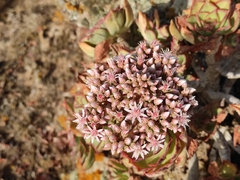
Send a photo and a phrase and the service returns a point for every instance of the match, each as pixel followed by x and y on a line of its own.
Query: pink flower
pixel 125 128
pixel 93 133
pixel 109 76
pixel 134 100
pixel 173 126
pixel 135 112
pixel 155 144
pixel 182 120
pixel 165 86
pixel 139 150
pixel 154 114
pixel 81 120
pixel 119 115
pixel 170 125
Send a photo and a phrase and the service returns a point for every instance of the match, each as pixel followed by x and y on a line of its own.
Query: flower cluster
pixel 134 100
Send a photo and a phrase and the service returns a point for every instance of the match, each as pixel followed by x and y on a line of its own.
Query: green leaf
pixel 188 35
pixel 97 145
pixel 182 59
pixel 172 150
pixel 149 35
pixel 227 170
pixel 205 31
pixel 151 159
pixel 87 48
pixel 223 4
pixel 117 165
pixel 196 7
pixel 174 31
pixel 213 16
pixel 129 17
pixel 222 15
pixel 117 170
pixel 87 154
pixel 169 159
pixel 89 159
pixel 234 21
pixel 115 21
pixel 208 7
pixel 97 36
pixel 202 16
pixel 163 33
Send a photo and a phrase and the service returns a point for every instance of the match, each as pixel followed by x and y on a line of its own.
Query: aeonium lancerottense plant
pixel 138 107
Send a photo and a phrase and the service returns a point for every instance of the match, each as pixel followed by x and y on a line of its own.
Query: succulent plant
pixel 117 170
pixel 206 19
pixel 139 107
pixel 112 25
pixel 151 30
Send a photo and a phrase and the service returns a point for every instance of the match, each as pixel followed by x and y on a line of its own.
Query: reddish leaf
pixel 236 135
pixel 221 115
pixel 119 48
pixel 211 46
pixel 213 168
pixel 191 146
pixel 102 50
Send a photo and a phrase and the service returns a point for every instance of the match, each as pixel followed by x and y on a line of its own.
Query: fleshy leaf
pixel 115 21
pixel 197 7
pixel 142 21
pixel 213 168
pixel 227 170
pixel 186 34
pixel 208 7
pixel 191 147
pixel 102 50
pixel 129 17
pixel 87 154
pixel 202 15
pixel 87 48
pixel 152 159
pixel 163 33
pixel 224 4
pixel 149 35
pixel 118 170
pixel 97 36
pixel 236 135
pixel 174 31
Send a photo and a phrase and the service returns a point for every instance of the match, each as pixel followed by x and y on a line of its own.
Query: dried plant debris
pixel 38 56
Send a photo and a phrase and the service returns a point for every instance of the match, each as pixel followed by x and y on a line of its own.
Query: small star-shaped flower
pixel 135 112
pixel 81 120
pixel 139 150
pixel 93 133
pixel 182 119
pixel 155 143
pixel 154 114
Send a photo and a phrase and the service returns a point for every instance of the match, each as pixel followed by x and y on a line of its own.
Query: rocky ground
pixel 39 61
